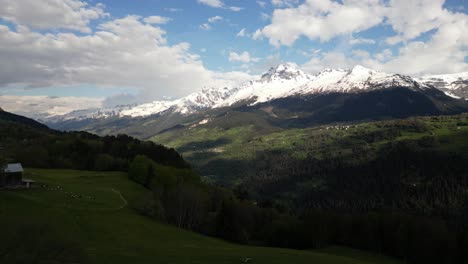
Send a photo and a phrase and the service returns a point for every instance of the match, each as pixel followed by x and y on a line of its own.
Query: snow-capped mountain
pixel 276 83
pixel 273 84
pixel 283 81
pixel 355 80
pixel 92 113
pixel 455 85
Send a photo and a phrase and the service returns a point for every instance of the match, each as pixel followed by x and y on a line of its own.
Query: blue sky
pixel 151 49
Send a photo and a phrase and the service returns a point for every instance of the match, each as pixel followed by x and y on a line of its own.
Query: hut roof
pixel 14 168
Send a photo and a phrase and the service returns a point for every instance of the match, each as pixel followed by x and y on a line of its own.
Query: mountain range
pixel 285 96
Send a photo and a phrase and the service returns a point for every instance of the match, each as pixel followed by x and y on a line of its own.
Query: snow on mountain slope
pixel 207 98
pixel 447 81
pixel 357 79
pixel 455 85
pixel 92 113
pixel 279 82
pixel 276 83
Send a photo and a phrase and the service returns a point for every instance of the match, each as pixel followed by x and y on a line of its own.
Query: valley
pixel 205 145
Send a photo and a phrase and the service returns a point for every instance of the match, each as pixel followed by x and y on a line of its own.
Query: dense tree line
pixel 44 148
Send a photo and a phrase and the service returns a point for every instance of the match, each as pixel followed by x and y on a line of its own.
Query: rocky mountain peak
pixel 284 71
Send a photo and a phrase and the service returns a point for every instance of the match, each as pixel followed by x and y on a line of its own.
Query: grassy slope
pixel 112 232
pixel 204 145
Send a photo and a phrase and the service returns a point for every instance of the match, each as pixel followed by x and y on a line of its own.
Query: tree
pixel 141 170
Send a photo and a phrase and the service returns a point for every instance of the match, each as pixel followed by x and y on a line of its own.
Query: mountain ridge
pixel 284 80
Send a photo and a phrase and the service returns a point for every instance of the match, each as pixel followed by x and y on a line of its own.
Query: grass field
pixel 95 210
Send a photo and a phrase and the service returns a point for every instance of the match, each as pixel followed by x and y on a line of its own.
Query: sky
pixel 61 55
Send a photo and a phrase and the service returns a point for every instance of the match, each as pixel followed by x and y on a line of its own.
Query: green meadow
pixel 96 212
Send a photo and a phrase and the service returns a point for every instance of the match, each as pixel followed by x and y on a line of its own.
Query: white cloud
pixel 51 14
pixel 242 57
pixel 219 4
pixel 411 18
pixel 211 20
pixel 322 20
pixel 385 55
pixel 443 50
pixel 157 20
pixel 212 3
pixel 122 53
pixel 235 8
pixel 232 78
pixel 38 106
pixel 362 54
pixel 172 9
pixel 242 33
pixel 282 3
pixel 262 4
pixel 214 19
pixel 360 41
pixel 326 19
pixel 328 60
pixel 120 99
pixel 205 26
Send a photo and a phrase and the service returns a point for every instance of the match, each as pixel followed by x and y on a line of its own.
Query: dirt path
pixel 125 203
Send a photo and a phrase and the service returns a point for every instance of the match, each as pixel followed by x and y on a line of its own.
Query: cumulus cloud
pixel 419 16
pixel 51 14
pixel 321 20
pixel 326 19
pixel 444 51
pixel 123 52
pixel 241 57
pixel 157 20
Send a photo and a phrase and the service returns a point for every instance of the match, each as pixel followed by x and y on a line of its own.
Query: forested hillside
pixel 397 186
pixel 35 145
